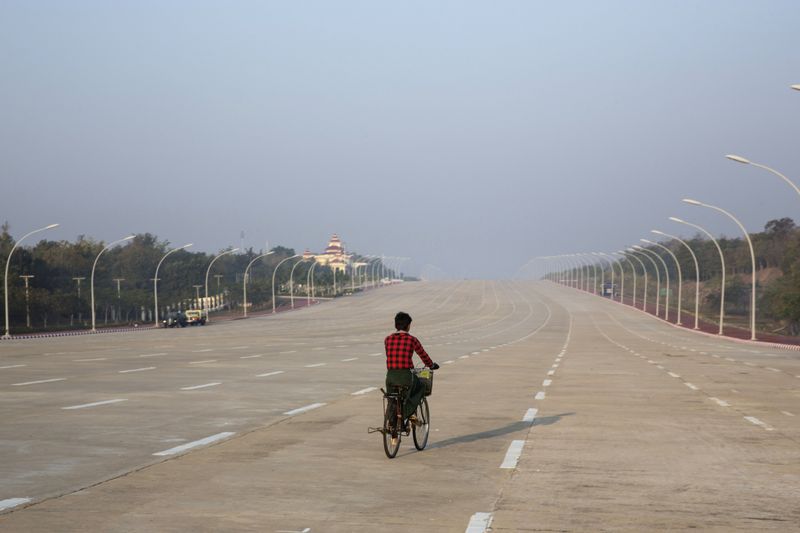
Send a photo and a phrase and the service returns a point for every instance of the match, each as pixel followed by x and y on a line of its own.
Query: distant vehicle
pixel 196 317
pixel 175 319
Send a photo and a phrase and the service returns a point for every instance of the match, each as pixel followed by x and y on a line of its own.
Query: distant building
pixel 333 257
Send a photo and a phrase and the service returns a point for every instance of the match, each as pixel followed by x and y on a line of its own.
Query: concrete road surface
pixel 554 410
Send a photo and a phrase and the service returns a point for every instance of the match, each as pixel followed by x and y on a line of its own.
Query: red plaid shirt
pixel 400 348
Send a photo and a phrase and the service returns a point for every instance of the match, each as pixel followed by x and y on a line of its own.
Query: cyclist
pixel 400 348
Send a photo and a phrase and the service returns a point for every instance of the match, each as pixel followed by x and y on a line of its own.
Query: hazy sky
pixel 467 135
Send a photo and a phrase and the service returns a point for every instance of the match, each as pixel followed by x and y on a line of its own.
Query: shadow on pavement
pixel 511 428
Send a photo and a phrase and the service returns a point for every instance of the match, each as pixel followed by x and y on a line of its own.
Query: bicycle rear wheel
pixel 421 432
pixel 391 430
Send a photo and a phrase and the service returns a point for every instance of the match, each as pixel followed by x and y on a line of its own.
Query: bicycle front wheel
pixel 391 431
pixel 421 432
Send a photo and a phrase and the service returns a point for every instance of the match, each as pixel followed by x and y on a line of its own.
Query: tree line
pixel 58 295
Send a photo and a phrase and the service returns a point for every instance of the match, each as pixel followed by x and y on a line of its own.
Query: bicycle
pixel 394 427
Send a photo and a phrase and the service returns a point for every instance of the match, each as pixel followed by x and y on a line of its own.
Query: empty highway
pixel 554 410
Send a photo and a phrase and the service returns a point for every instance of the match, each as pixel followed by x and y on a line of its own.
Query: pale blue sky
pixel 469 135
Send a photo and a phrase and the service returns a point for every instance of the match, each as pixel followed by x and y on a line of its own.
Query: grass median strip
pixel 189 445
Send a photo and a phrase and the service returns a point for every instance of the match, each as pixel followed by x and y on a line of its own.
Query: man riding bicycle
pixel 400 348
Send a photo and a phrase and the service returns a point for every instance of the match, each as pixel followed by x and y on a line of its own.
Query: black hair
pixel 402 321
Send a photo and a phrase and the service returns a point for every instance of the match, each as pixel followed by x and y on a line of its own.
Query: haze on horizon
pixel 467 135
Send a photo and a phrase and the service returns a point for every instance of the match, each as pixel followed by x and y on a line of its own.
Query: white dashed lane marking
pixel 547 383
pixel 189 445
pixel 530 415
pixel 539 396
pixel 202 362
pixel 756 421
pixel 673 374
pixel 143 369
pixel 202 351
pixel 10 503
pixel 37 382
pixel 203 386
pixel 364 391
pixel 152 354
pixel 251 356
pixel 349 359
pixel 551 372
pixel 290 351
pixel 690 386
pixel 316 365
pixel 513 453
pixel 95 404
pixel 10 366
pixel 93 359
pixel 721 403
pixel 479 523
pixel 304 409
pixel 787 413
pixel 448 362
pixel 268 374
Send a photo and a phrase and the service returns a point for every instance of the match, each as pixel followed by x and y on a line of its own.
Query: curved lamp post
pixel 244 284
pixel 752 260
pixel 680 275
pixel 310 284
pixel 666 274
pixel 658 277
pixel 603 275
pixel 722 262
pixel 633 271
pixel 291 280
pixel 129 237
pixel 8 262
pixel 273 278
pixel 696 271
pixel 155 280
pixel 208 270
pixel 629 253
pixel 744 161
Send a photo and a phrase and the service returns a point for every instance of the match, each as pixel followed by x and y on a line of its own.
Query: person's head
pixel 402 321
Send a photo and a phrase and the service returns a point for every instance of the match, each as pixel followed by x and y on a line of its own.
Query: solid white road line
pixel 251 356
pixel 364 391
pixel 143 369
pixel 37 382
pixel 479 523
pixel 203 386
pixel 539 396
pixel 93 359
pixel 202 362
pixel 11 366
pixel 268 374
pixel 547 382
pixel 349 359
pixel 95 404
pixel 10 503
pixel 513 453
pixel 303 409
pixel 152 354
pixel 756 421
pixel 721 403
pixel 315 365
pixel 530 415
pixel 195 444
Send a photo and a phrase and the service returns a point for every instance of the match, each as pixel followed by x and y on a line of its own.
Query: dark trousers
pixel 406 378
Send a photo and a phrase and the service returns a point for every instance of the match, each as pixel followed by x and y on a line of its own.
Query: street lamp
pixel 603 275
pixel 722 262
pixel 91 281
pixel 744 161
pixel 155 279
pixel 796 87
pixel 752 260
pixel 291 280
pixel 208 270
pixel 644 302
pixel 8 262
pixel 273 278
pixel 666 273
pixel 696 272
pixel 680 276
pixel 633 271
pixel 310 284
pixel 244 284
